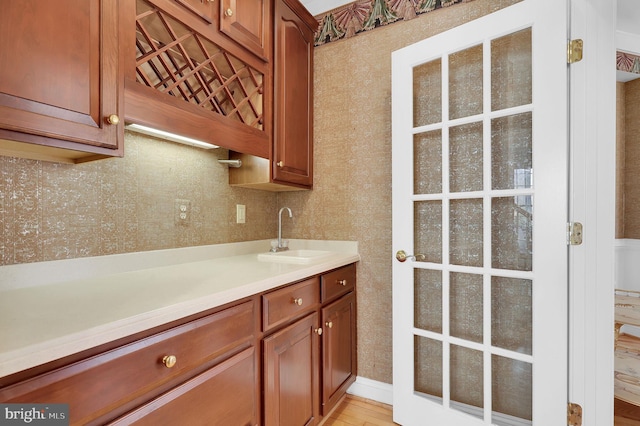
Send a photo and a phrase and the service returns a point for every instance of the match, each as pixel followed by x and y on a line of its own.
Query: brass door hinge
pixel 574 414
pixel 574 233
pixel 574 51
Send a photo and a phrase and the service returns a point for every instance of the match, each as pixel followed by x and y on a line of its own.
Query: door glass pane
pixel 428 230
pixel 511 152
pixel 465 306
pixel 465 82
pixel 465 158
pixel 510 390
pixel 511 315
pixel 511 70
pixel 427 93
pixel 428 300
pixel 512 232
pixel 428 366
pixel 427 162
pixel 465 233
pixel 467 389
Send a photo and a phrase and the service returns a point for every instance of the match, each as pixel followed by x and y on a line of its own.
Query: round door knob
pixel 228 12
pixel 169 361
pixel 329 324
pixel 280 164
pixel 342 282
pixel 318 331
pixel 113 119
pixel 298 301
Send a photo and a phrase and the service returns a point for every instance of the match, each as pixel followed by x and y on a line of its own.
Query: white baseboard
pixel 372 389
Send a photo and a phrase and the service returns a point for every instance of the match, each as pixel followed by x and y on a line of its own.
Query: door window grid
pixel 522 194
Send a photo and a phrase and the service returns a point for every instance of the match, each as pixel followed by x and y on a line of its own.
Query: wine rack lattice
pixel 174 59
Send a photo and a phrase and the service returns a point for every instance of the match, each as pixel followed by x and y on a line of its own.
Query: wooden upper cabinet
pixel 292 159
pixel 60 79
pixel 183 76
pixel 246 22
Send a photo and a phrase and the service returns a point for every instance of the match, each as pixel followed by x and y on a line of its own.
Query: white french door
pixel 480 170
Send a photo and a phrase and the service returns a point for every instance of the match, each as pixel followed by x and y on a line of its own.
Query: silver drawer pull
pixel 342 282
pixel 297 301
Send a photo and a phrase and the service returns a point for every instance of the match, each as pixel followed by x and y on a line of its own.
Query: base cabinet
pixel 279 358
pixel 110 384
pixel 309 363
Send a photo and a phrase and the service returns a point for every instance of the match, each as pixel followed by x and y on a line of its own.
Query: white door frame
pixel 592 201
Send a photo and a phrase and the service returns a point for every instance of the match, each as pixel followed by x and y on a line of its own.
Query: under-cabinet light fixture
pixel 231 163
pixel 170 136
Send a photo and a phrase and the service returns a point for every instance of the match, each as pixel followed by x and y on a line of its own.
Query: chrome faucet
pixel 280 247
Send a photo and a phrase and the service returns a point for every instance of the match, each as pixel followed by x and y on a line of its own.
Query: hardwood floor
pixel 626 414
pixel 356 411
pixel 353 410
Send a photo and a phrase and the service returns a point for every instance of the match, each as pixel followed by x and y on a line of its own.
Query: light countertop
pixel 53 309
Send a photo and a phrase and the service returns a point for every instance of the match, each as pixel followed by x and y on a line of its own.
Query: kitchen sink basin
pixel 294 256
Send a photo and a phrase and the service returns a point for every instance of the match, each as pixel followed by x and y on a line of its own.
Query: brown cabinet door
pixel 291 377
pixel 59 75
pixel 292 159
pixel 246 22
pixel 338 350
pixel 226 394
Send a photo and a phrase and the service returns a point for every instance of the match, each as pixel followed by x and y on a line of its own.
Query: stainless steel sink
pixel 294 256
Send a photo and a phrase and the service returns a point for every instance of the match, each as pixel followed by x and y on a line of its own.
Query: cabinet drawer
pixel 338 282
pixel 97 385
pixel 224 395
pixel 281 305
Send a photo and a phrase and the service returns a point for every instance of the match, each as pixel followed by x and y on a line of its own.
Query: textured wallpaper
pixel 631 189
pixel 620 160
pixel 51 211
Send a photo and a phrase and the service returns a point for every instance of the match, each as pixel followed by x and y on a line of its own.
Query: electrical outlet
pixel 241 213
pixel 182 210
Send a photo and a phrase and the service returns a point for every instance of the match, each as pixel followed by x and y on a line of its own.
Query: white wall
pixel 627 264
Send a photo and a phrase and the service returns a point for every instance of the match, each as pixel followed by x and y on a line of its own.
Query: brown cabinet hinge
pixel 574 414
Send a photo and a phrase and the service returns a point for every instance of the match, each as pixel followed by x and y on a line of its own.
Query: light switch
pixel 241 213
